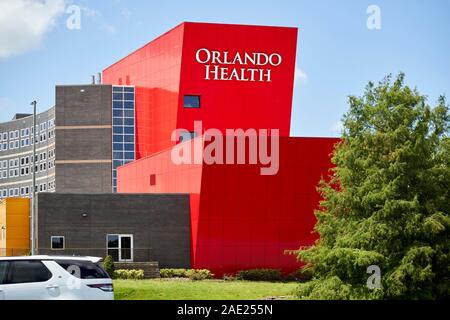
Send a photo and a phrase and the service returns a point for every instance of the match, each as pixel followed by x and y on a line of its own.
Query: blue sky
pixel 337 53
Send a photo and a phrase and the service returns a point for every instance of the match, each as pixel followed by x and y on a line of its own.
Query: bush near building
pixel 260 275
pixel 108 265
pixel 173 273
pixel 193 274
pixel 129 274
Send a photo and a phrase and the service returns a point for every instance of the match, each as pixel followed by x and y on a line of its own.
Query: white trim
pixel 120 247
pixel 57 249
pixel 27 181
pixel 27 152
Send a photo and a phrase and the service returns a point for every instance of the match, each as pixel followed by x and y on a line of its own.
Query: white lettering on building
pixel 223 66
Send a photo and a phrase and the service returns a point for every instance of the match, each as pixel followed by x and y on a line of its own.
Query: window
pixel 57 243
pixel 88 269
pixel 186 136
pixel 3 270
pixel 153 179
pixel 113 246
pixel 128 96
pixel 120 247
pixel 191 101
pixel 28 271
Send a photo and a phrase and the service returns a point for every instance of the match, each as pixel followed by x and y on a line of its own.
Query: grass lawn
pixel 173 289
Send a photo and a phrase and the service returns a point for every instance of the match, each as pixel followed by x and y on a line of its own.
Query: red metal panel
pixel 240 219
pixel 238 104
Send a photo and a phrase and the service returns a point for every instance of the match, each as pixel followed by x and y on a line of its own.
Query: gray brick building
pixel 79 142
pixel 129 227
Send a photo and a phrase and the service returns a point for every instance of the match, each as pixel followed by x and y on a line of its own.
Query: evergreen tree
pixel 386 202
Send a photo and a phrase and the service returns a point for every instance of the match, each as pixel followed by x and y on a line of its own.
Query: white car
pixel 54 277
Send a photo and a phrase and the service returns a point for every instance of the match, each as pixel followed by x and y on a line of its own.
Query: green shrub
pixel 229 277
pixel 199 274
pixel 108 265
pixel 193 274
pixel 129 274
pixel 300 275
pixel 260 275
pixel 173 273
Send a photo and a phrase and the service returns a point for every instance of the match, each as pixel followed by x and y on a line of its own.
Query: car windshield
pixel 83 269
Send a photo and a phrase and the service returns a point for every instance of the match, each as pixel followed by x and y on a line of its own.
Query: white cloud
pixel 300 76
pixel 125 13
pixel 337 127
pixel 90 12
pixel 108 28
pixel 24 23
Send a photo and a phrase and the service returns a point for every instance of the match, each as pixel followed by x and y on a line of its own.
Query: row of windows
pixel 24 171
pixel 26 132
pixel 26 142
pixel 124 96
pixel 13 163
pixel 26 191
pixel 123 89
pixel 123 113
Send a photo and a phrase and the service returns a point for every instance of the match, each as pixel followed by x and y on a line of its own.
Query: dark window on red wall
pixel 153 179
pixel 191 101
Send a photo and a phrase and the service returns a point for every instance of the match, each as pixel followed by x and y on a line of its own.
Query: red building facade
pixel 241 77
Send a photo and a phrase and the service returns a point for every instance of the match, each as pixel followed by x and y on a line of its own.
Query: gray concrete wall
pixel 160 224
